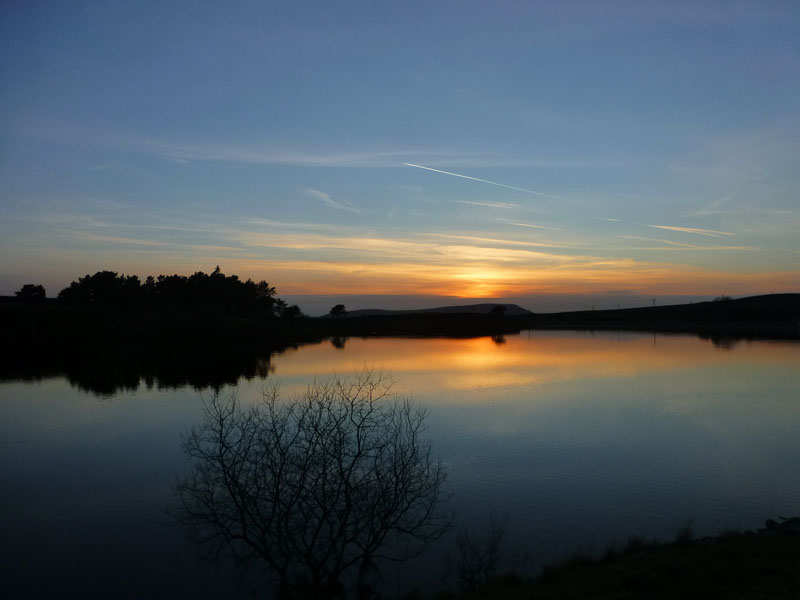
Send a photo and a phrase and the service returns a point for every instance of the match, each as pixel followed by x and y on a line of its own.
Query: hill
pixel 509 310
pixel 773 315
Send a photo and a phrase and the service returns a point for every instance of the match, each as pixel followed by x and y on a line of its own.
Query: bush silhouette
pixel 31 291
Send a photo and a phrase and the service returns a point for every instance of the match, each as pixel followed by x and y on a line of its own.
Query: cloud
pixel 751 163
pixel 116 239
pixel 706 232
pixel 510 187
pixel 683 246
pixel 485 240
pixel 223 151
pixel 535 226
pixel 751 218
pixel 337 204
pixel 490 204
pixel 186 152
pixel 717 207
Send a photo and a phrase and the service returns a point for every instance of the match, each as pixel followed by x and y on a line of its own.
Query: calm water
pixel 571 439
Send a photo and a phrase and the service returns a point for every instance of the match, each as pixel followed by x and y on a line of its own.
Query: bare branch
pixel 312 487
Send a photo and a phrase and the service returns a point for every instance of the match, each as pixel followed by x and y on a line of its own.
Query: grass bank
pixel 761 564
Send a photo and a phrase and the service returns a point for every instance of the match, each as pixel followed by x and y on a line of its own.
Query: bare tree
pixel 478 555
pixel 325 484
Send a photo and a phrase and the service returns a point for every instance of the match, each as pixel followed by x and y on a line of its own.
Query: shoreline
pixel 761 563
pixel 178 344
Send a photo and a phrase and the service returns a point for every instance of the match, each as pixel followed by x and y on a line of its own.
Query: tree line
pixel 223 293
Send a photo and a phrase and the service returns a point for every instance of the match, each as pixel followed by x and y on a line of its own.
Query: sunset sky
pixel 550 153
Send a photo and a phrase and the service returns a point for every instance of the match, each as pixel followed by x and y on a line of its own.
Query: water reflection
pixel 495 360
pixel 105 377
pixel 576 439
pixel 525 359
pixel 572 439
pixel 315 489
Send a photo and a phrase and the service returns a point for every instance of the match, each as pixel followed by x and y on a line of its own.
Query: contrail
pixel 491 204
pixel 708 232
pixel 536 226
pixel 510 187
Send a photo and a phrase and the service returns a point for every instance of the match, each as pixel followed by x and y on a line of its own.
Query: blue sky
pixel 643 148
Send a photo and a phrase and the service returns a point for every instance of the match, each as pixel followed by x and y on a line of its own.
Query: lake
pixel 571 439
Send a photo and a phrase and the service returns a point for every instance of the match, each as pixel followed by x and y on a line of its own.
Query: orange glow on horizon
pixel 521 360
pixel 479 273
pixel 507 281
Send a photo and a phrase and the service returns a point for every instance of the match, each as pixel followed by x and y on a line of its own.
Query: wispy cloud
pixel 490 204
pixel 747 163
pixel 116 239
pixel 748 217
pixel 607 219
pixel 183 151
pixel 337 204
pixel 503 185
pixel 244 152
pixel 683 246
pixel 717 207
pixel 269 156
pixel 485 240
pixel 694 230
pixel 535 226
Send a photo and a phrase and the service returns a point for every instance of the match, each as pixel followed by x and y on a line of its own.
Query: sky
pixel 389 154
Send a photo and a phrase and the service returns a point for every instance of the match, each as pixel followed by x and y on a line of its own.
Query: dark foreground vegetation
pixel 753 564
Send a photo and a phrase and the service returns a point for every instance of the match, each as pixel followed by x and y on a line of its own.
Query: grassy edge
pixel 764 563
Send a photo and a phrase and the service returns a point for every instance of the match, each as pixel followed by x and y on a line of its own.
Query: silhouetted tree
pixel 317 487
pixel 292 311
pixel 338 311
pixel 478 555
pixel 104 287
pixel 498 310
pixel 217 291
pixel 149 289
pixel 31 291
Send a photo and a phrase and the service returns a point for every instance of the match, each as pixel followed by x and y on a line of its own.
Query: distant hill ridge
pixel 511 310
pixel 784 304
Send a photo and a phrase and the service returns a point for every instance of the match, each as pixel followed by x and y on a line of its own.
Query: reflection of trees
pixel 723 342
pixel 316 488
pixel 111 374
pixel 194 371
pixel 338 342
pixel 499 339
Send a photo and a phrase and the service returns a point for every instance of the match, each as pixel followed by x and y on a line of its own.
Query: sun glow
pixel 314 259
